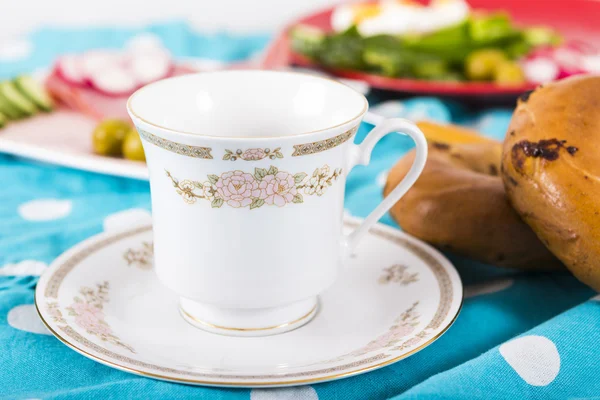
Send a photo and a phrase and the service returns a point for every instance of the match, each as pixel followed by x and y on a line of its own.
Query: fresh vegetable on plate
pixel 22 97
pixel 108 137
pixel 117 138
pixel 99 82
pixel 307 40
pixel 547 63
pixel 132 147
pixel 34 91
pixel 20 102
pixel 115 73
pixel 343 50
pixel 8 109
pixel 444 41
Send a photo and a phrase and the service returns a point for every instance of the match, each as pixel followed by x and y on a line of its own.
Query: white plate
pixel 64 138
pixel 395 297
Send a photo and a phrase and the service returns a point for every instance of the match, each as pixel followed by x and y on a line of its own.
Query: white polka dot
pixel 389 109
pixel 292 393
pixel 534 358
pixel 127 219
pixel 418 113
pixel 144 42
pixel 488 287
pixel 382 178
pixel 26 267
pixel 26 318
pixel 486 122
pixel 45 209
pixel 596 298
pixel 15 50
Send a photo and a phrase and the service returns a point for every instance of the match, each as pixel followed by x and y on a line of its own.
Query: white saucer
pixel 395 297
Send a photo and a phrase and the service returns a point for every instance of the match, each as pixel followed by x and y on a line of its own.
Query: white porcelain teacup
pixel 247 174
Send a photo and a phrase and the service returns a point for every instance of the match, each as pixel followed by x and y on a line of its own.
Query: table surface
pixel 519 334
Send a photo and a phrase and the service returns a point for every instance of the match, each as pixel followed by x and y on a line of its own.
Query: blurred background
pixel 231 15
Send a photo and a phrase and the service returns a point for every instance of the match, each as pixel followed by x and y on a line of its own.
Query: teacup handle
pixel 361 154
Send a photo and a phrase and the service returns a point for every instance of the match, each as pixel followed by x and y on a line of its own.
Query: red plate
pixel 575 19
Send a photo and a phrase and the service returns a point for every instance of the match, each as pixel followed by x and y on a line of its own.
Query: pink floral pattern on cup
pixel 270 186
pixel 88 313
pixel 237 188
pixel 278 189
pixel 253 154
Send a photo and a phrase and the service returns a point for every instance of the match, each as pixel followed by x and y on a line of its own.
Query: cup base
pixel 248 322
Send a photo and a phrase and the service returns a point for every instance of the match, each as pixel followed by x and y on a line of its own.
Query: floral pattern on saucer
pixel 55 313
pixel 404 325
pixel 239 189
pixel 89 315
pixel 141 257
pixel 398 273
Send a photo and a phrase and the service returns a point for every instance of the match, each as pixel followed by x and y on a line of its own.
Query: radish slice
pixel 150 66
pixel 70 69
pixel 114 81
pixel 581 47
pixel 96 61
pixel 116 73
pixel 569 60
pixel 540 70
pixel 548 63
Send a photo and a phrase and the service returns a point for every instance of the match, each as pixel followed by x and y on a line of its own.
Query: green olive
pixel 132 147
pixel 108 137
pixel 509 73
pixel 481 64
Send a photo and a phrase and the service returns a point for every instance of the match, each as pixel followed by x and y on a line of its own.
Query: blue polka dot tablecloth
pixel 519 335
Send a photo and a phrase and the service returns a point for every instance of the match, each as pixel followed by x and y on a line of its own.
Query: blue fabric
pixel 543 321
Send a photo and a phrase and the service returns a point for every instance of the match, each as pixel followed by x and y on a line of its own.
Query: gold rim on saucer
pixel 246 383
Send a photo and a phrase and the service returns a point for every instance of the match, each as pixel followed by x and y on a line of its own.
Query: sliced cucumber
pixel 3 120
pixel 35 92
pixel 8 109
pixel 10 93
pixel 307 40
